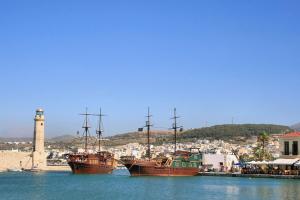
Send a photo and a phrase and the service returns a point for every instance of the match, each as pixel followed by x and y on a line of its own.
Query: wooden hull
pixel 152 170
pixel 82 168
pixel 99 163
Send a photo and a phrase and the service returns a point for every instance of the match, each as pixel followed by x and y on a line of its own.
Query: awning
pixel 297 164
pixel 258 163
pixel 282 161
pixel 262 163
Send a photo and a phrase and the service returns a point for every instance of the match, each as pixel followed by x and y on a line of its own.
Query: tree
pixel 263 139
pixel 260 152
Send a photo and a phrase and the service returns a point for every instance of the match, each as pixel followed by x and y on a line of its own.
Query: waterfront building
pixel 289 145
pixel 289 161
pixel 218 162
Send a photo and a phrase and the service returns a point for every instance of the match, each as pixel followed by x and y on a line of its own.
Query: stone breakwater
pixel 58 169
pixel 15 160
pixel 18 160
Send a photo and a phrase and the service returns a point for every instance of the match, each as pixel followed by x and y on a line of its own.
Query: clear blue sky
pixel 213 60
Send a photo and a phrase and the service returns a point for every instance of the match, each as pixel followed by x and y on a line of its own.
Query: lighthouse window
pixel 42 124
pixel 39 112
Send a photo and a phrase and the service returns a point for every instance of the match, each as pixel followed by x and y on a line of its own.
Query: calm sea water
pixel 66 186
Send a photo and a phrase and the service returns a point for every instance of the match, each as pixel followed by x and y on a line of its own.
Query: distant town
pixel 243 148
pixel 219 155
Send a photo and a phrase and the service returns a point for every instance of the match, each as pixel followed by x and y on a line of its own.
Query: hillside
pixel 239 131
pixel 15 139
pixel 137 137
pixel 296 126
pixel 58 139
pixel 61 139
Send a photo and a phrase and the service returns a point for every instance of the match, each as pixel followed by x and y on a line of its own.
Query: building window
pixel 295 147
pixel 286 148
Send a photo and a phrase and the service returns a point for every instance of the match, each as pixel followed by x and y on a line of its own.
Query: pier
pixel 248 175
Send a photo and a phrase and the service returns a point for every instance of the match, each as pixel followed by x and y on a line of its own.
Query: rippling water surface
pixel 64 185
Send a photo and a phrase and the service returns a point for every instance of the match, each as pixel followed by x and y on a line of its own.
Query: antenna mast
pixel 86 129
pixel 175 127
pixel 148 125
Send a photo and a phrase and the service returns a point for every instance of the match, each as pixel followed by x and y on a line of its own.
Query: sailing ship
pixel 182 163
pixel 102 162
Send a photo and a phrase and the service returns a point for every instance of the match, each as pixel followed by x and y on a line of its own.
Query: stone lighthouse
pixel 39 156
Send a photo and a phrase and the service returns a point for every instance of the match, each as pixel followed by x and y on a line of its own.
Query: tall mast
pixel 148 125
pixel 86 129
pixel 100 130
pixel 175 127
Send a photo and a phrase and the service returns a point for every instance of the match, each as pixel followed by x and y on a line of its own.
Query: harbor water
pixel 119 185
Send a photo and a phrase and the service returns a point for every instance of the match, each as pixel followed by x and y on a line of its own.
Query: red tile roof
pixel 293 134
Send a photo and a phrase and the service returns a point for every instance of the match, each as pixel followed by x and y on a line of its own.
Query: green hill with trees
pixel 233 131
pixel 227 132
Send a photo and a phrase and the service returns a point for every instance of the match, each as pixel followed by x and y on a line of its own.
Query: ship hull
pixel 100 163
pixel 82 168
pixel 141 170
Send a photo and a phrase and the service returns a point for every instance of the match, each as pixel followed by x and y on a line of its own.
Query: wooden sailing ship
pixel 102 162
pixel 182 163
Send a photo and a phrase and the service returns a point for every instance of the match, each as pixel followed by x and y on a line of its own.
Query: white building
pixel 218 162
pixel 289 145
